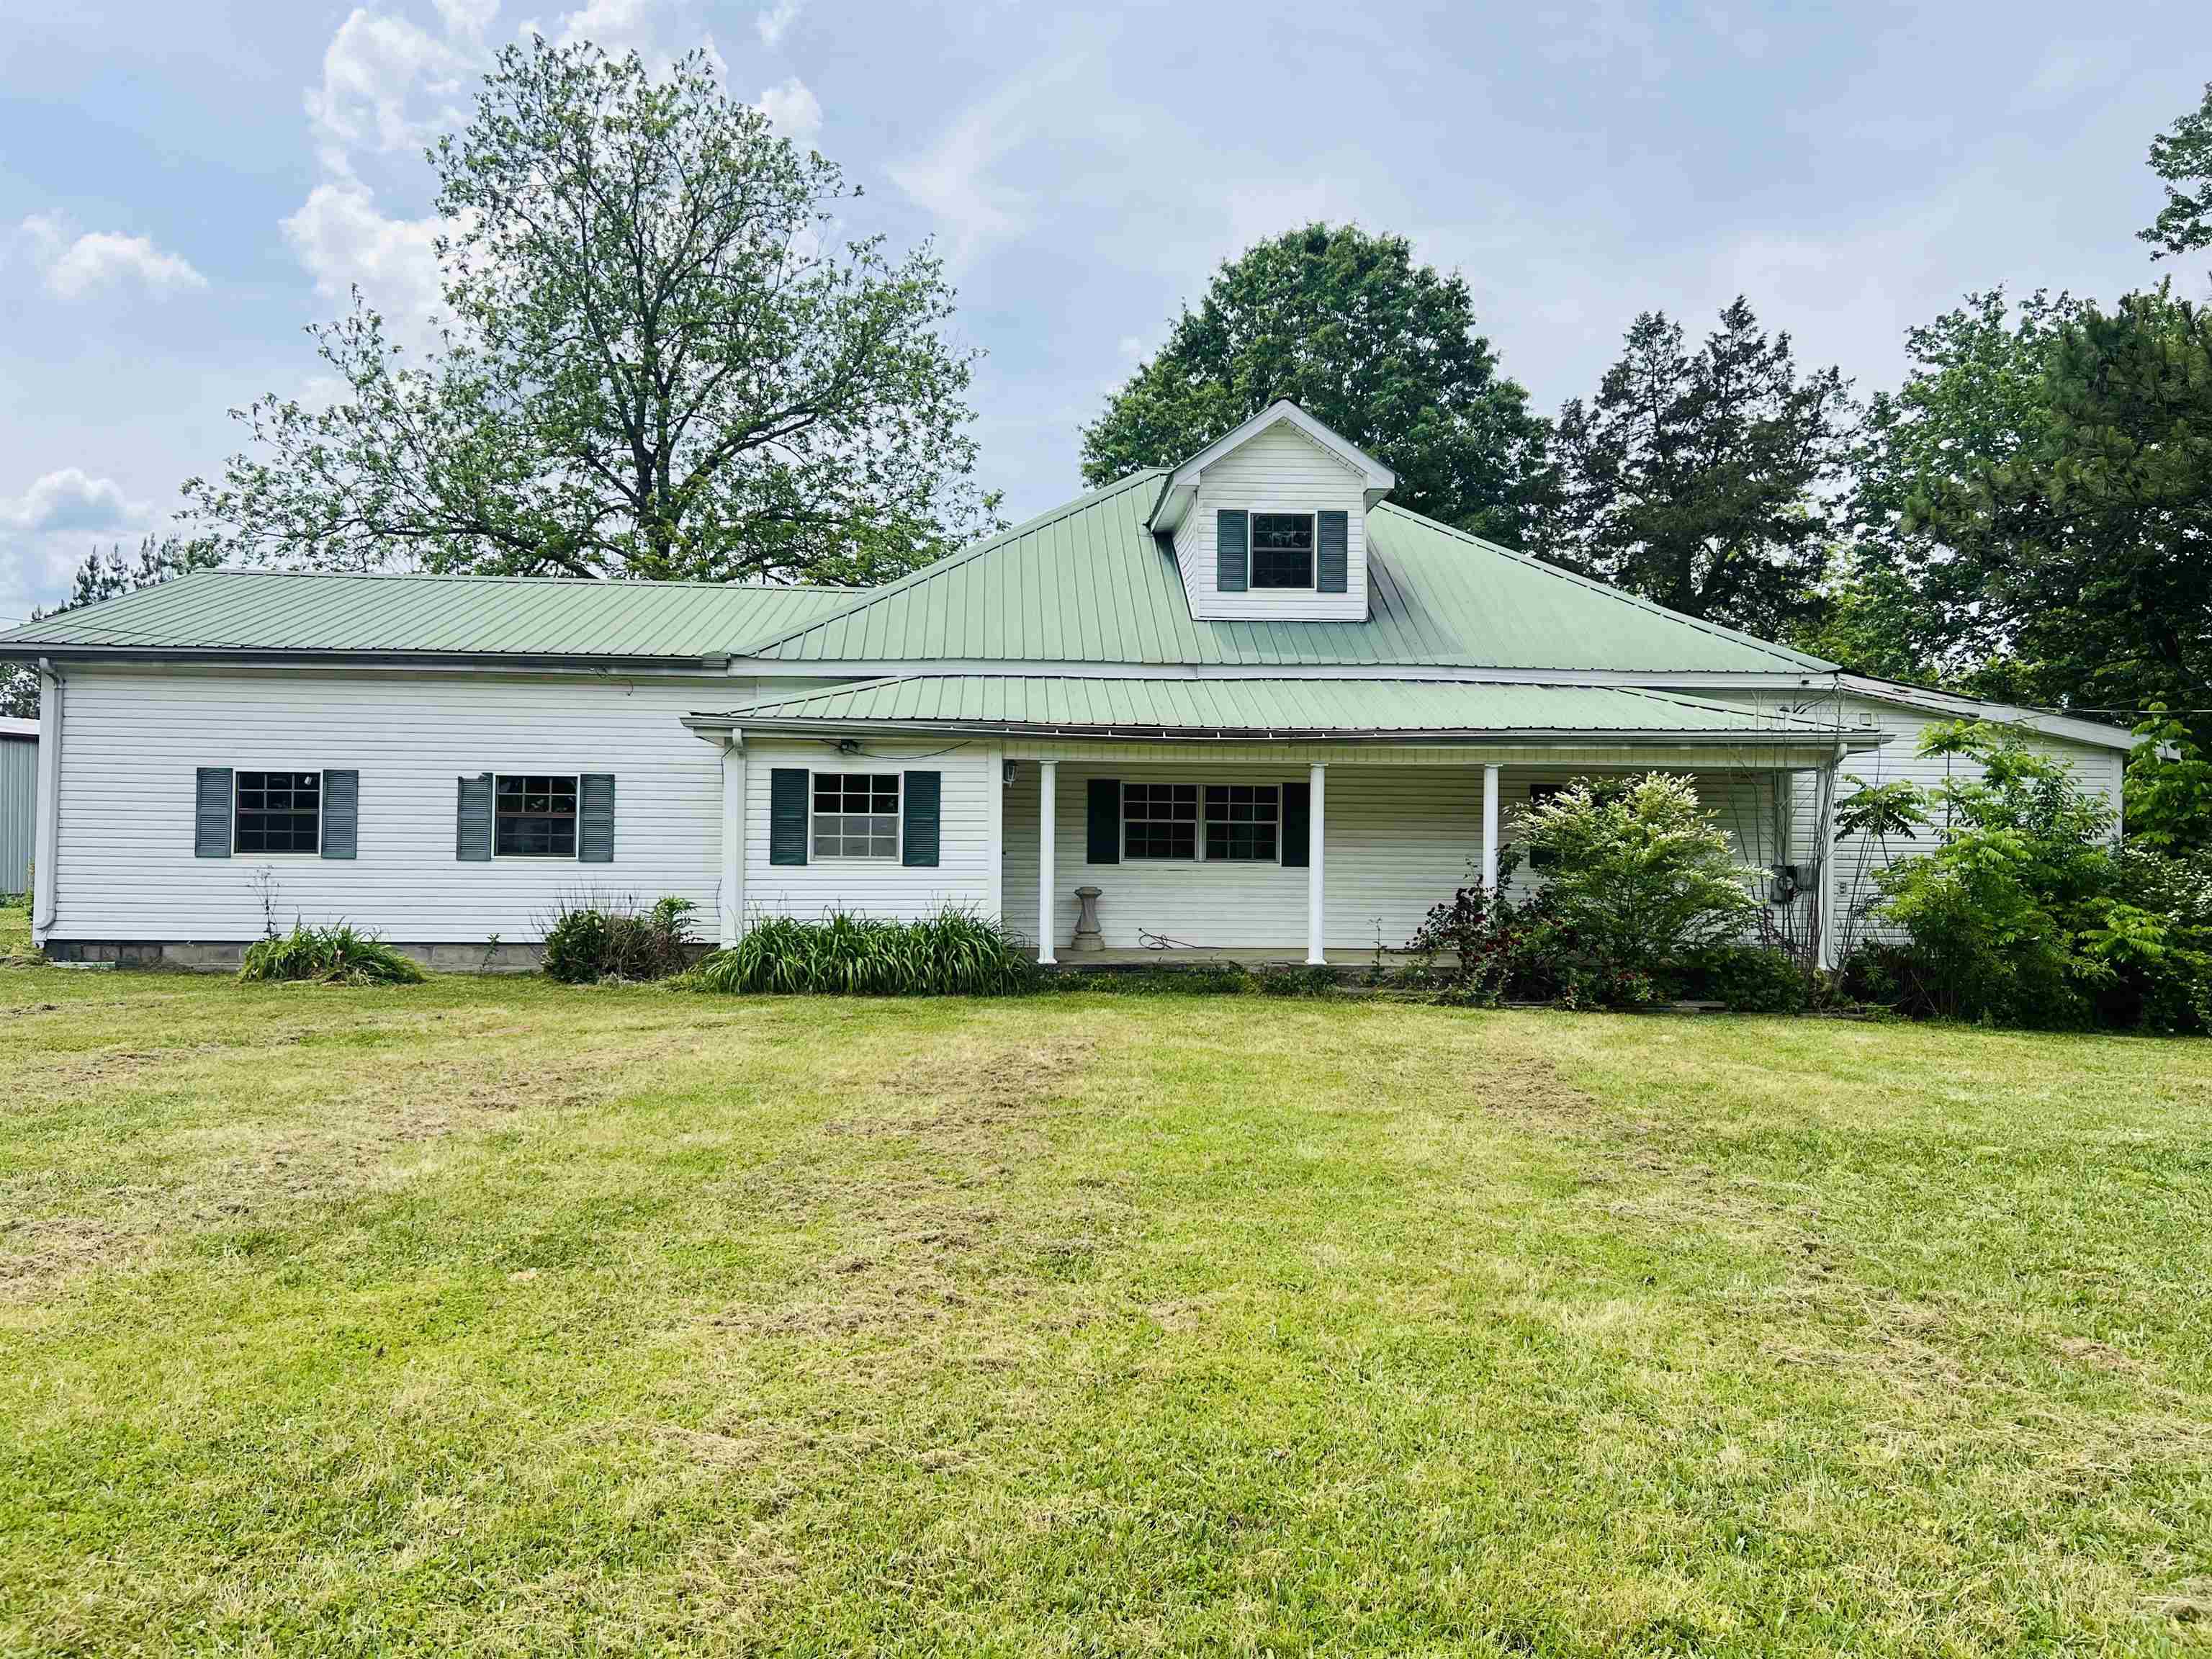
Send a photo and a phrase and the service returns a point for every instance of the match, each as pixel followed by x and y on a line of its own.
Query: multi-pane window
pixel 1282 549
pixel 534 817
pixel 1159 820
pixel 1242 821
pixel 279 813
pixel 856 815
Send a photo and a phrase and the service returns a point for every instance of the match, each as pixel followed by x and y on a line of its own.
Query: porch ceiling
pixel 1395 711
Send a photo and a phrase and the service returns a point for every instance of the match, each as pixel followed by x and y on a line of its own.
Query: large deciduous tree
pixel 655 359
pixel 2083 555
pixel 1701 478
pixel 1378 348
pixel 2183 159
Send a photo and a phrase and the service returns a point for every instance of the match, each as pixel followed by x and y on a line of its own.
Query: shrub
pixel 588 941
pixel 327 956
pixel 953 953
pixel 1755 979
pixel 1639 885
pixel 2027 914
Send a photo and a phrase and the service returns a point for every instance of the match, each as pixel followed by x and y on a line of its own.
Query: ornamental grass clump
pixel 596 939
pixel 953 953
pixel 336 954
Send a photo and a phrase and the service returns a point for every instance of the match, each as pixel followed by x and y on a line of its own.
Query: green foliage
pixel 599 939
pixel 1382 350
pixel 1640 881
pixel 655 360
pixel 2027 914
pixel 2053 484
pixel 327 956
pixel 953 953
pixel 1876 811
pixel 2183 158
pixel 1699 479
pixel 1755 979
pixel 1190 979
pixel 2169 789
pixel 101 576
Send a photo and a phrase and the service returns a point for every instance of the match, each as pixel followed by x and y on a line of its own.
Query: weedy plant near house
pixel 597 937
pixel 337 955
pixel 954 952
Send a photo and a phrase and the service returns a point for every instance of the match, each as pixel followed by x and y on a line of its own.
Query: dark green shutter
pixel 1298 826
pixel 211 813
pixel 1231 533
pixel 786 815
pixel 1103 802
pixel 341 814
pixel 595 818
pixel 1332 551
pixel 918 799
pixel 473 818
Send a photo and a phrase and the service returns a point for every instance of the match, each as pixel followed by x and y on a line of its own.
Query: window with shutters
pixel 1282 549
pixel 1159 820
pixel 277 812
pixel 1243 822
pixel 534 816
pixel 856 815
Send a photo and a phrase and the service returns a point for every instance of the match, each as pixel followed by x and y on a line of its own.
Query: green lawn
pixel 491 1316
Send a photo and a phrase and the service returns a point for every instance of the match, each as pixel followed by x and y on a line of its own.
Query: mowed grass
pixel 488 1317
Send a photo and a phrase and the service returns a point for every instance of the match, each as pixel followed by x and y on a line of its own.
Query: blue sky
pixel 183 188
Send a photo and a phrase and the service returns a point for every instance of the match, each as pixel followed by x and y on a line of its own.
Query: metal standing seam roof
pixel 1064 703
pixel 1089 582
pixel 251 611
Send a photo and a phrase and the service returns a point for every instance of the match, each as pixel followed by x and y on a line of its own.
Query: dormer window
pixel 1283 549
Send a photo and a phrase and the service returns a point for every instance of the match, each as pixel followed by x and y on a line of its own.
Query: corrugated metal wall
pixel 19 811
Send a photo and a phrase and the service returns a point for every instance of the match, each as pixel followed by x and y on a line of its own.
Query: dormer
pixel 1269 522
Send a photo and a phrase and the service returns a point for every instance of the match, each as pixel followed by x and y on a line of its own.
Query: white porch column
pixel 1490 829
pixel 1316 913
pixel 995 831
pixel 1827 837
pixel 733 839
pixel 1047 783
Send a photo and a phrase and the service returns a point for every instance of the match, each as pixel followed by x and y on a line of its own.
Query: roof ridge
pixel 1720 630
pixel 866 596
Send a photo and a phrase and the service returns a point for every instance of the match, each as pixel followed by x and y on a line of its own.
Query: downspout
pixel 50 802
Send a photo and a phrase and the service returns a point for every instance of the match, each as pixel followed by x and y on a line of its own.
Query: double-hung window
pixel 1159 820
pixel 1282 549
pixel 277 812
pixel 1243 822
pixel 534 816
pixel 856 815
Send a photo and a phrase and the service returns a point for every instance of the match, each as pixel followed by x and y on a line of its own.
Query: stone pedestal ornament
pixel 1086 921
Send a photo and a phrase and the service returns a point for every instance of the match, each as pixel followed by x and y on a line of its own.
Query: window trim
pixel 1197 851
pixel 1252 583
pixel 897 855
pixel 576 849
pixel 321 797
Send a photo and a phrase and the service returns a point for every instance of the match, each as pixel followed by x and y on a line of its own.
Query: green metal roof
pixel 1089 582
pixel 1274 708
pixel 285 611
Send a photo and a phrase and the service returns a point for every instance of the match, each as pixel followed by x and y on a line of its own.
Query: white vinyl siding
pixel 872 886
pixel 1280 471
pixel 135 737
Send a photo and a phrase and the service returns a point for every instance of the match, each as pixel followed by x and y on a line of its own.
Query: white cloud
pixel 466 17
pixel 795 111
pixel 953 180
pixel 387 85
pixel 344 240
pixel 1130 346
pixel 98 260
pixel 70 499
pixel 773 21
pixel 614 26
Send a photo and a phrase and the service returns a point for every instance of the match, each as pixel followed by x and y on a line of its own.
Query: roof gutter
pixel 1802 737
pixel 529 662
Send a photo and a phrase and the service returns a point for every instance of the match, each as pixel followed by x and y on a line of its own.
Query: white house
pixel 1251 701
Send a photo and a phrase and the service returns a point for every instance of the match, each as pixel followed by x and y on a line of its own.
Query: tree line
pixel 656 358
